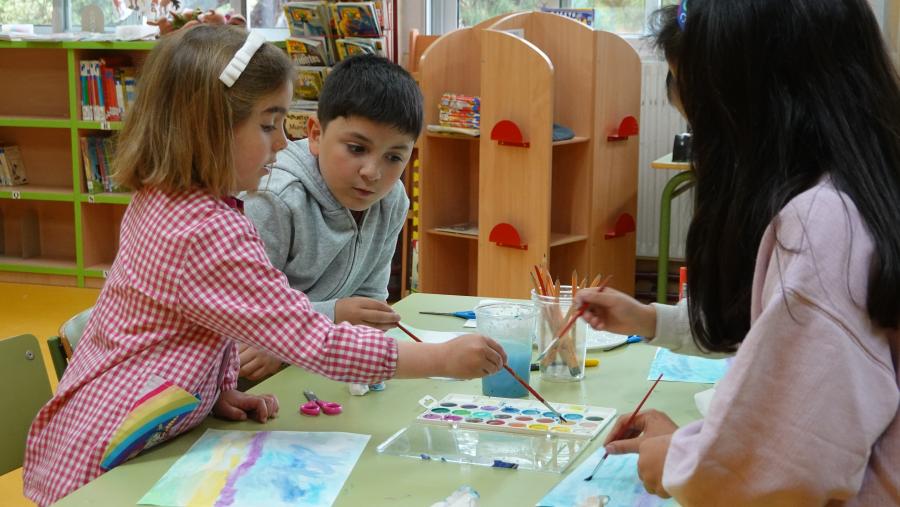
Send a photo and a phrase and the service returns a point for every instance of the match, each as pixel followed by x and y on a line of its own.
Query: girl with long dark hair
pixel 794 256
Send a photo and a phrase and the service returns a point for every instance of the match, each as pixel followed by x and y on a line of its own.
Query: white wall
pixel 412 14
pixel 879 7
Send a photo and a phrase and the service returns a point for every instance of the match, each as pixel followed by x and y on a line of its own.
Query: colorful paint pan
pixel 526 416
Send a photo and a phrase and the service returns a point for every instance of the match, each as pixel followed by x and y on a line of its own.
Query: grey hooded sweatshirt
pixel 315 241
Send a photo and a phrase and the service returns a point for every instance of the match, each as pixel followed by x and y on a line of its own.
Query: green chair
pixel 24 388
pixel 61 346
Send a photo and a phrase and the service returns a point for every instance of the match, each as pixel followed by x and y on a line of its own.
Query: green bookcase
pixel 52 231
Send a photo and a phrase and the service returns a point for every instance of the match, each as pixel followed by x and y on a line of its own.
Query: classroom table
pixel 620 381
pixel 678 184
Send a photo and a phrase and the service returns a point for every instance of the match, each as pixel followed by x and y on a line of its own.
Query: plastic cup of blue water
pixel 511 325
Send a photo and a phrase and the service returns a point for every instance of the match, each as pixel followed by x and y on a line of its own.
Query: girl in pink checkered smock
pixel 191 278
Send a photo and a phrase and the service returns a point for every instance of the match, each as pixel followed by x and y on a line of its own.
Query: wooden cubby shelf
pixel 559 239
pixel 455 137
pixel 37 193
pixel 452 234
pixel 52 230
pixel 35 122
pixel 96 125
pixel 574 140
pixel 560 197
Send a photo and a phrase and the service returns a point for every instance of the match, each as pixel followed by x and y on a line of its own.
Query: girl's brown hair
pixel 179 133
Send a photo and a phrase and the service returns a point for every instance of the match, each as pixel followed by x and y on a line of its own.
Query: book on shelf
pixel 584 16
pixel 108 82
pixel 464 228
pixel 356 19
pixel 446 129
pixel 297 118
pixel 96 157
pixel 309 82
pixel 307 19
pixel 12 168
pixel 87 110
pixel 107 88
pixel 308 51
pixel 352 46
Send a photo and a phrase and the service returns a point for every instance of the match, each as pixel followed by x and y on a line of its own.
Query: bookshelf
pixel 53 230
pixel 572 202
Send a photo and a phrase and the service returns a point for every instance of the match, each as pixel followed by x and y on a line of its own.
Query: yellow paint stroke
pixel 211 486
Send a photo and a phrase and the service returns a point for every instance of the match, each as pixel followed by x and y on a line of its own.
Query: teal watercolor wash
pixel 503 384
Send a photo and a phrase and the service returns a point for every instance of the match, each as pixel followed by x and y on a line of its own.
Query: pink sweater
pixel 808 412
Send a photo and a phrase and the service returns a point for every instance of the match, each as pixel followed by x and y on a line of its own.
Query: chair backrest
pixel 24 388
pixel 72 329
pixel 62 346
pixel 417 45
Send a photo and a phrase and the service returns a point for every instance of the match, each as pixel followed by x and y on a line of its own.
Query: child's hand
pixel 366 311
pixel 617 312
pixel 237 406
pixel 646 425
pixel 472 356
pixel 257 364
pixel 651 461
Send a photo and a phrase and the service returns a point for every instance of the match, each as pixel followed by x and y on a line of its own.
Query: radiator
pixel 659 124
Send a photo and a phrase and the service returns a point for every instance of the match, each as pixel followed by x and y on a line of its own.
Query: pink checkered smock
pixel 191 278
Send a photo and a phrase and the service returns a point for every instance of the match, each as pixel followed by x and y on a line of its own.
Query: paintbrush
pixel 572 320
pixel 511 372
pixel 626 427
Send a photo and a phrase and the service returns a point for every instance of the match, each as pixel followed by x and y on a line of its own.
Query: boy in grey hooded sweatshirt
pixel 331 209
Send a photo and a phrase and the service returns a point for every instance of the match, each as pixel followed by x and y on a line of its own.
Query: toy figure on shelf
pixel 173 20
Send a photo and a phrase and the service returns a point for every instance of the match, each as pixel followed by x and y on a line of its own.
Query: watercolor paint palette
pixel 518 416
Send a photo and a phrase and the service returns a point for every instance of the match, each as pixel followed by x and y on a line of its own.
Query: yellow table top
pixel 620 381
pixel 665 162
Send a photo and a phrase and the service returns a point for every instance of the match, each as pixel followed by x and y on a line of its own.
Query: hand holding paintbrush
pixel 621 430
pixel 508 369
pixel 570 321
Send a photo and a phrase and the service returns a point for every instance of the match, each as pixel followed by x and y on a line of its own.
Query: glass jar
pixel 564 361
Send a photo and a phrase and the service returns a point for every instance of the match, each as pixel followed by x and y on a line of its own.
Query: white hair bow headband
pixel 240 60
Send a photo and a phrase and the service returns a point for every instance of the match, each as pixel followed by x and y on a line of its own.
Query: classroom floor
pixel 37 310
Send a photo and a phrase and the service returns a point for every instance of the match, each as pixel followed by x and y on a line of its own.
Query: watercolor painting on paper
pixel 616 484
pixel 272 468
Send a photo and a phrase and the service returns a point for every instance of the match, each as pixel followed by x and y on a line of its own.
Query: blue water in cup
pixel 512 326
pixel 503 384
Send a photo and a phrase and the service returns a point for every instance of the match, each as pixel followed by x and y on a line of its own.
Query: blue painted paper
pixel 252 468
pixel 616 479
pixel 682 368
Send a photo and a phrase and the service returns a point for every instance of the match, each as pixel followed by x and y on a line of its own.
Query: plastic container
pixel 511 325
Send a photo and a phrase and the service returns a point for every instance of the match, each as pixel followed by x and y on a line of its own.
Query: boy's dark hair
pixel 373 88
pixel 781 93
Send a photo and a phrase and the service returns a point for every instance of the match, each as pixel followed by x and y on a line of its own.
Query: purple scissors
pixel 315 406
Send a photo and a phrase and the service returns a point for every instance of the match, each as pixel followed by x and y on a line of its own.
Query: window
pixel 472 12
pixel 37 12
pixel 115 12
pixel 266 13
pixel 621 16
